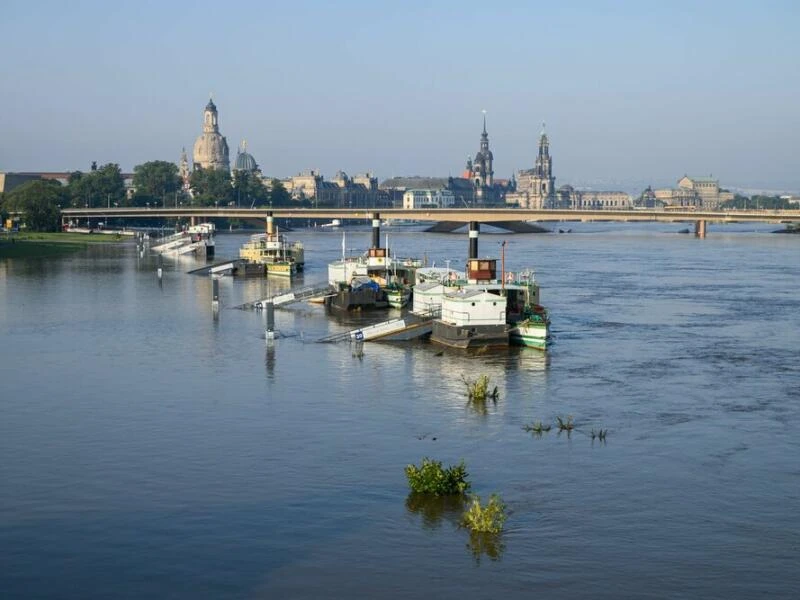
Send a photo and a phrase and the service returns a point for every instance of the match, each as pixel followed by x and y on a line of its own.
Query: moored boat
pixel 486 310
pixel 273 252
pixel 372 281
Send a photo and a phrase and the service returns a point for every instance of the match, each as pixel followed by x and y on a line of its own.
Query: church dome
pixel 211 151
pixel 245 162
pixel 211 106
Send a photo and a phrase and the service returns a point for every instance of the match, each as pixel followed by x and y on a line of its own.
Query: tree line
pixel 155 183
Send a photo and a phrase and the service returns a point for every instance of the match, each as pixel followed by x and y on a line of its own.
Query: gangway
pixel 296 295
pixel 220 268
pixel 408 327
pixel 193 247
pixel 171 243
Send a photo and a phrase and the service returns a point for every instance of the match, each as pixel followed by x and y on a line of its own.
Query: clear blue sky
pixel 631 91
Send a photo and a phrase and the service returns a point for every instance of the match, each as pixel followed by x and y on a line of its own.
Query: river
pixel 151 450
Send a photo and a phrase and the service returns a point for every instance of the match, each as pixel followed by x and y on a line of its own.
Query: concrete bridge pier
pixel 700 228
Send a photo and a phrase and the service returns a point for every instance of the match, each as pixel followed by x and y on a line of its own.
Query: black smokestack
pixel 376 232
pixel 474 228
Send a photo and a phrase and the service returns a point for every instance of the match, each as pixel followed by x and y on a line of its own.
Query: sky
pixel 632 93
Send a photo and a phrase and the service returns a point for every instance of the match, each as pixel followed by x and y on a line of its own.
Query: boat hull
pixel 361 299
pixel 530 336
pixel 398 298
pixel 476 336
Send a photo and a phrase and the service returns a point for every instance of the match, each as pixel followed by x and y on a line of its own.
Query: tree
pixel 211 187
pixel 248 189
pixel 39 201
pixel 155 180
pixel 101 186
pixel 757 202
pixel 278 196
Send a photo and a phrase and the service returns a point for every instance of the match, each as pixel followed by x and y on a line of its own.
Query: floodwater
pixel 150 450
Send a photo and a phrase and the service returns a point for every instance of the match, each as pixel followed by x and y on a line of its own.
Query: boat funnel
pixel 474 228
pixel 376 231
pixel 269 224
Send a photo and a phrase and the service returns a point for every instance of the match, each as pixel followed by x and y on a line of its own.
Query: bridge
pixel 453 215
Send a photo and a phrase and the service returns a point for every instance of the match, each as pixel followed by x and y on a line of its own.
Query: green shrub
pixel 536 427
pixel 485 519
pixel 431 478
pixel 478 390
pixel 563 425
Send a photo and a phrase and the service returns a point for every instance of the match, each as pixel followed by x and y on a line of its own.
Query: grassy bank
pixel 35 244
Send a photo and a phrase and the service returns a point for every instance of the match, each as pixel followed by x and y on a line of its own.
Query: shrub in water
pixel 431 478
pixel 485 519
pixel 536 427
pixel 478 390
pixel 563 425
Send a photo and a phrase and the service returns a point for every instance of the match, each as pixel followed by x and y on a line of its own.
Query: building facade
pixel 695 192
pixel 570 198
pixel 342 191
pixel 211 147
pixel 439 198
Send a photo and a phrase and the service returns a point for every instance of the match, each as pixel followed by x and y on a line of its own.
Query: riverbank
pixel 42 244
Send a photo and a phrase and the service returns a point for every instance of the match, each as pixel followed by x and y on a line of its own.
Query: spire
pixel 484 121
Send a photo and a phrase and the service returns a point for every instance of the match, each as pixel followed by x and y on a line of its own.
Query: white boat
pixel 489 311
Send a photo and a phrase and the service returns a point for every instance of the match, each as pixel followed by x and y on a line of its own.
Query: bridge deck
pixel 461 215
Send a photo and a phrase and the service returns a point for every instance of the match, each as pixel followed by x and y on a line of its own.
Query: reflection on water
pixel 489 544
pixel 435 509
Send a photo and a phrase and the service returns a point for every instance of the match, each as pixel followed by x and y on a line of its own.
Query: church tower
pixel 211 148
pixel 482 171
pixel 543 182
pixel 183 169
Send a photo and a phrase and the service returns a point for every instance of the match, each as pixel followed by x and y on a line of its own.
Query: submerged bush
pixel 478 390
pixel 485 519
pixel 536 427
pixel 563 425
pixel 431 478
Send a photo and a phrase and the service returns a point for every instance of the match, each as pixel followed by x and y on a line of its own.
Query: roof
pixel 702 179
pixel 415 182
pixel 245 162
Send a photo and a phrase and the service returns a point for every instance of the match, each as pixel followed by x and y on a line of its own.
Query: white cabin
pixel 428 296
pixel 469 307
pixel 342 271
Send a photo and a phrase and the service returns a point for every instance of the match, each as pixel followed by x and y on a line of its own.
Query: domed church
pixel 211 148
pixel 244 160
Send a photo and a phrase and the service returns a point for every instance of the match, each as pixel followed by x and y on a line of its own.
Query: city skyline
pixel 631 92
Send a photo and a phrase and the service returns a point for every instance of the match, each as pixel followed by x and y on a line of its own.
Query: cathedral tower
pixel 211 148
pixel 535 188
pixel 543 179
